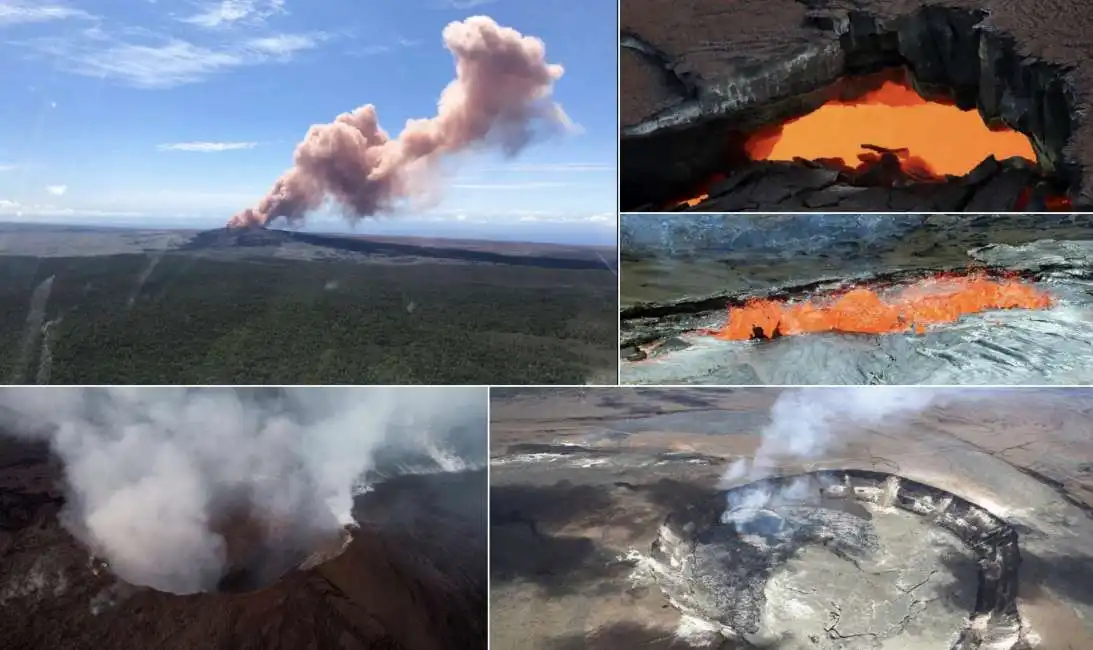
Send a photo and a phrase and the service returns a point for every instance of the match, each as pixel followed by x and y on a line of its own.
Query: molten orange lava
pixel 939 138
pixel 692 202
pixel 911 308
pixel 1051 202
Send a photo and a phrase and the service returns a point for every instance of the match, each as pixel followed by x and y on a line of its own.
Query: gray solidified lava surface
pixel 791 257
pixel 845 561
pixel 692 73
pixel 576 514
pixel 1016 347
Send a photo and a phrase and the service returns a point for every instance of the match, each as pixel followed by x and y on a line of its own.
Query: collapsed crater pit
pixel 255 552
pixel 872 106
pixel 844 560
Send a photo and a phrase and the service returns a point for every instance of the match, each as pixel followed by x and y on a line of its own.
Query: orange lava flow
pixel 692 202
pixel 939 138
pixel 1051 203
pixel 910 308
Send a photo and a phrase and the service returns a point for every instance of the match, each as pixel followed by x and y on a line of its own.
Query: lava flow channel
pixel 909 308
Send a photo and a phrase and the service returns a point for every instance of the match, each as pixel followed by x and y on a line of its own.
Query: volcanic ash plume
pixel 161 480
pixel 500 97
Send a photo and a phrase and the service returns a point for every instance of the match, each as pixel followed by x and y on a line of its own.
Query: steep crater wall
pixel 709 72
pixel 723 555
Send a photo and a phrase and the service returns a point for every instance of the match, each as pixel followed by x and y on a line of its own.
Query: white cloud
pixel 284 45
pixel 519 216
pixel 207 147
pixel 172 62
pixel 9 208
pixel 145 58
pixel 8 167
pixel 57 190
pixel 225 13
pixel 19 12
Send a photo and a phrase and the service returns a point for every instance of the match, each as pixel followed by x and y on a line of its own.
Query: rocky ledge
pixel 708 70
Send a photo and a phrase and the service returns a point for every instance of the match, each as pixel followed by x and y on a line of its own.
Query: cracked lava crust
pixel 844 560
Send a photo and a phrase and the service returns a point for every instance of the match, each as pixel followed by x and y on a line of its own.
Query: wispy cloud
pixel 8 167
pixel 284 45
pixel 20 12
pixel 226 13
pixel 146 57
pixel 207 147
pixel 57 190
pixel 521 216
pixel 170 62
pixel 9 208
pixel 555 217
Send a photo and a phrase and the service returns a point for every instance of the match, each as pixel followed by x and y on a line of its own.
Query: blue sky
pixel 178 113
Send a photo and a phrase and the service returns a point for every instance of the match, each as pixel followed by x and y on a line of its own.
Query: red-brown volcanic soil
pixel 389 589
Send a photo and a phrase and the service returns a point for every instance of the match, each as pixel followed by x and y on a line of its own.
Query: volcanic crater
pixel 844 559
pixel 978 105
pixel 410 574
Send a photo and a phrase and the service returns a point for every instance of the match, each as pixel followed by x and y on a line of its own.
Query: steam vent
pixel 772 561
pixel 796 105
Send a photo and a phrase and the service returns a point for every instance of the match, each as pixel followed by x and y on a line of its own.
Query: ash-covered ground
pixel 267 306
pixel 409 573
pixel 589 488
pixel 682 274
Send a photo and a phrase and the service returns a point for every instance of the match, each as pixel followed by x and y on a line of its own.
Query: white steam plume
pixel 149 470
pixel 803 423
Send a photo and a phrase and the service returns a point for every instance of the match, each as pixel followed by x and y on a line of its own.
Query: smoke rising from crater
pixel 803 425
pixel 150 471
pixel 500 97
pixel 803 421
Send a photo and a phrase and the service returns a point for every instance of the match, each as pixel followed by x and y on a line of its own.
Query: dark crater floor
pixel 838 560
